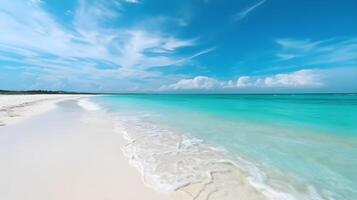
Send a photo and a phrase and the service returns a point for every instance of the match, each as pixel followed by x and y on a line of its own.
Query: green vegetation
pixel 40 92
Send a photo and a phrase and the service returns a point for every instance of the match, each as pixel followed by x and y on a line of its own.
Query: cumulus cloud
pixel 301 78
pixel 196 83
pixel 244 81
pixel 306 78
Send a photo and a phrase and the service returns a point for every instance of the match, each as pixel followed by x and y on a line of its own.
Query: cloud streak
pixel 322 52
pixel 244 13
pixel 132 1
pixel 33 40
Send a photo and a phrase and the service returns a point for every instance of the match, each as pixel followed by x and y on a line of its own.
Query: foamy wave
pixel 87 104
pixel 171 161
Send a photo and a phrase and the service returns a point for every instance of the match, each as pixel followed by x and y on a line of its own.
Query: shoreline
pixel 41 116
pixel 66 152
pixel 189 165
pixel 75 147
pixel 213 175
pixel 175 153
pixel 17 108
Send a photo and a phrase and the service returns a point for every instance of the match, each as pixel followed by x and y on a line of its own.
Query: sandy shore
pixel 15 108
pixel 50 152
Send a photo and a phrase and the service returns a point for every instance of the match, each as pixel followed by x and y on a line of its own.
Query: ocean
pixel 285 146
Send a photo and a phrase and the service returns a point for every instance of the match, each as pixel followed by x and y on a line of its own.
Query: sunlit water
pixel 290 146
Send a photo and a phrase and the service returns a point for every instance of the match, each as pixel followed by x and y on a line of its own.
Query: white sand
pixel 64 147
pixel 14 108
pixel 65 154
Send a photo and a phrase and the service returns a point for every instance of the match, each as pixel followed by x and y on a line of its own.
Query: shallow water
pixel 286 146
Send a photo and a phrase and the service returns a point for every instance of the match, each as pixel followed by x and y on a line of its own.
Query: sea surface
pixel 286 146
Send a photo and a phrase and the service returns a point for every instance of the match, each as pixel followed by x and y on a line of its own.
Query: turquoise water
pixel 304 144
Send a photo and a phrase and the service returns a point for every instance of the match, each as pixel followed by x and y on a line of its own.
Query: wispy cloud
pixel 244 13
pixel 297 54
pixel 332 51
pixel 90 48
pixel 286 56
pixel 205 51
pixel 132 1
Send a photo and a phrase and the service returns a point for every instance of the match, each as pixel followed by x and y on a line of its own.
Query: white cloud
pixel 205 51
pixel 196 83
pixel 307 78
pixel 304 45
pixel 88 39
pixel 171 44
pixel 286 56
pixel 332 51
pixel 28 31
pixel 242 14
pixel 132 1
pixel 134 52
pixel 244 81
pixel 303 78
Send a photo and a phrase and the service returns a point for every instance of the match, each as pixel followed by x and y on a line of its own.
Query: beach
pixel 58 150
pixel 178 100
pixel 240 146
pixel 67 147
pixel 177 147
pixel 15 108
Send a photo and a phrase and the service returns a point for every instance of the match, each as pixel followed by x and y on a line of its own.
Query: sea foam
pixel 87 104
pixel 171 161
pixel 287 147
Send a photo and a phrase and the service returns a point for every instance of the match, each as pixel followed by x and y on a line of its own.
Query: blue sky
pixel 179 45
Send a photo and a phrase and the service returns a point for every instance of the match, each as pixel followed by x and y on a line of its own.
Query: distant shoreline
pixel 31 92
